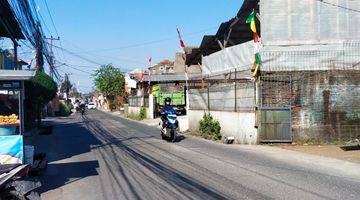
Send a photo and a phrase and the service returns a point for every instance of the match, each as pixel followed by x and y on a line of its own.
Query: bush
pixel 210 128
pixel 142 114
pixel 65 110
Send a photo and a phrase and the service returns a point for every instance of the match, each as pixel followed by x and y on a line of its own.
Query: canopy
pixel 9 26
pixel 16 75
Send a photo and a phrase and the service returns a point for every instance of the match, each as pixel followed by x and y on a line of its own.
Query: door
pixel 275 125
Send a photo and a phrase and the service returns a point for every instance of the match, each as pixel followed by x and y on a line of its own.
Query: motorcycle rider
pixel 167 107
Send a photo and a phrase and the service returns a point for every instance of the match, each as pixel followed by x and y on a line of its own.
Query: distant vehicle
pixel 91 105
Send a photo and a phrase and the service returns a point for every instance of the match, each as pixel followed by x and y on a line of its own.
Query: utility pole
pixel 15 54
pixel 52 60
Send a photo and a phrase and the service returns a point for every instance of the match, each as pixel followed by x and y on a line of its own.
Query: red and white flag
pixel 149 69
pixel 182 46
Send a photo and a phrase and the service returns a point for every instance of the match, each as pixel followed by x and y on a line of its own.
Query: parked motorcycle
pixel 169 126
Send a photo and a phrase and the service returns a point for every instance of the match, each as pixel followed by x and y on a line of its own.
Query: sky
pixel 126 32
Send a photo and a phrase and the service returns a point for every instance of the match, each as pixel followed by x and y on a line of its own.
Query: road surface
pixel 101 156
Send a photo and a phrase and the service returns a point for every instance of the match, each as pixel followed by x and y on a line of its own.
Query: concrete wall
pixel 133 110
pixel 240 125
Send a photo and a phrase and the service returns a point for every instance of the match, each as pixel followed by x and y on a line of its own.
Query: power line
pixel 51 18
pixel 339 6
pixel 148 43
pixel 86 72
pixel 77 55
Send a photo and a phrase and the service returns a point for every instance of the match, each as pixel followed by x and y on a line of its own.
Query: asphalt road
pixel 102 156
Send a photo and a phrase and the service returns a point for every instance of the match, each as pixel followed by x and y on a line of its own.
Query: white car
pixel 91 106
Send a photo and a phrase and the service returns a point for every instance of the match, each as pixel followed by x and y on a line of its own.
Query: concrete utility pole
pixel 52 61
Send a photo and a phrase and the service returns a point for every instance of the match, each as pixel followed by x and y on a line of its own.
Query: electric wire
pixel 339 6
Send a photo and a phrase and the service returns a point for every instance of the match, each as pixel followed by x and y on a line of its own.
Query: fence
pixel 321 87
pixel 138 101
pixel 229 93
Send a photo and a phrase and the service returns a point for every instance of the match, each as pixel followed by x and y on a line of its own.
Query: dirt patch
pixel 327 151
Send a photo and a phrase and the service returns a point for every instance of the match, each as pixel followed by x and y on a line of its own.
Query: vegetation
pixel 133 117
pixel 65 109
pixel 40 89
pixel 66 86
pixel 142 113
pixel 110 81
pixel 209 128
pixel 138 117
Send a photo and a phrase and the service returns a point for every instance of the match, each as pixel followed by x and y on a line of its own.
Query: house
pixel 7 61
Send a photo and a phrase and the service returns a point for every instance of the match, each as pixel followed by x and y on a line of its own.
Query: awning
pixel 9 26
pixel 16 75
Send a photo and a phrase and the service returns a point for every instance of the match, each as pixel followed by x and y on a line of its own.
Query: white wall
pixel 240 125
pixel 290 22
pixel 133 110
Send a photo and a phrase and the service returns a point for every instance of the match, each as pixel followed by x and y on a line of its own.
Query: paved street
pixel 102 156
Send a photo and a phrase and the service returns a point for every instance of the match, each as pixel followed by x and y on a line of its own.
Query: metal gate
pixel 275 108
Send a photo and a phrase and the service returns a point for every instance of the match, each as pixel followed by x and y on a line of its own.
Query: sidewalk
pixel 331 151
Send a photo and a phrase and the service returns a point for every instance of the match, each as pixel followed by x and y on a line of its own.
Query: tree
pixel 110 81
pixel 40 89
pixel 66 86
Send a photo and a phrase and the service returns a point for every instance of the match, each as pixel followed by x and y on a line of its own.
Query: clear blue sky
pixel 92 27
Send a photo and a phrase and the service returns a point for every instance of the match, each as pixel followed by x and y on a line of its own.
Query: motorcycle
pixel 169 126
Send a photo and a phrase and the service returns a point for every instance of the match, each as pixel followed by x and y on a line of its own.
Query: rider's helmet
pixel 167 101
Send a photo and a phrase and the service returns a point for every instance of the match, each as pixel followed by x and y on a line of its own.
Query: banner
pixel 11 151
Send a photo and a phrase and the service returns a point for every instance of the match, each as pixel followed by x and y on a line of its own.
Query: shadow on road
pixel 70 139
pixel 60 174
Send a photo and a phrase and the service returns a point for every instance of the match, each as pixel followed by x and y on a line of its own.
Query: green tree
pixel 66 86
pixel 39 90
pixel 110 81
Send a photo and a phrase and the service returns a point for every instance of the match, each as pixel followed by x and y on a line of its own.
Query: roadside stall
pixel 12 118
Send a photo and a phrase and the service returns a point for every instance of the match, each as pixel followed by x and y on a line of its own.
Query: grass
pixel 134 117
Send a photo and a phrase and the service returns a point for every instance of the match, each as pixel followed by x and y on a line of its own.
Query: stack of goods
pixel 9 120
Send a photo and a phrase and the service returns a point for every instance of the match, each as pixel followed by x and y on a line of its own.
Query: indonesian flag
pixel 182 46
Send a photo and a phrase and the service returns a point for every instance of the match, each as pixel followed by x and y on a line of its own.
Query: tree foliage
pixel 39 90
pixel 109 81
pixel 66 85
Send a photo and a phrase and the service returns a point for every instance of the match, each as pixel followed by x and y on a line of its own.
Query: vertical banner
pixel 11 151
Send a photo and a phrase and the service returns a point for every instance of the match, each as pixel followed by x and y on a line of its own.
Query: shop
pixel 12 115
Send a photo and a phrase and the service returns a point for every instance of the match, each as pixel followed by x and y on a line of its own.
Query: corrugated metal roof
pixel 6 75
pixel 169 77
pixel 10 27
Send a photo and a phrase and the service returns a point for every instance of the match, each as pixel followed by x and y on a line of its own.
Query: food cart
pixel 12 115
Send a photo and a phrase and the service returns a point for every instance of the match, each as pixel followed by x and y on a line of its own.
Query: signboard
pixel 10 85
pixel 11 151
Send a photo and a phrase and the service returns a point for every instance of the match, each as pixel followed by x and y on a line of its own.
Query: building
pixel 308 85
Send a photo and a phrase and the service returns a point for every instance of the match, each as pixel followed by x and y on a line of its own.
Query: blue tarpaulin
pixel 11 151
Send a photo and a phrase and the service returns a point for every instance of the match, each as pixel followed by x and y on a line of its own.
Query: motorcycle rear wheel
pixel 173 135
